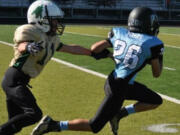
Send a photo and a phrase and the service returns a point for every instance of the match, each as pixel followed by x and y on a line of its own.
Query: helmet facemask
pixel 60 28
pixel 154 25
pixel 58 25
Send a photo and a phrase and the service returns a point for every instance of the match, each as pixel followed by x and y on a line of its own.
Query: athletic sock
pixel 130 109
pixel 125 111
pixel 122 113
pixel 54 126
pixel 63 125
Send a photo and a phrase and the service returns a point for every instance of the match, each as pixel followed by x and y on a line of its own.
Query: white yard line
pixel 170 34
pixel 6 43
pixel 172 69
pixel 171 99
pixel 85 34
pixel 170 46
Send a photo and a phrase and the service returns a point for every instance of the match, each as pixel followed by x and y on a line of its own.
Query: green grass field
pixel 67 93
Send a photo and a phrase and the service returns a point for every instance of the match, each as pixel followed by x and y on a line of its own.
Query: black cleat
pixel 114 124
pixel 47 124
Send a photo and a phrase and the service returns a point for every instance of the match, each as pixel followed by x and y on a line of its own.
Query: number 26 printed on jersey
pixel 128 55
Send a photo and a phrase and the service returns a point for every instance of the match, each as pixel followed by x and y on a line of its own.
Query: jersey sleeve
pixel 110 37
pixel 157 51
pixel 153 48
pixel 26 33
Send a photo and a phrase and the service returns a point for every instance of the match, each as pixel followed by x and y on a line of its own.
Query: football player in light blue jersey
pixel 131 51
pixel 133 48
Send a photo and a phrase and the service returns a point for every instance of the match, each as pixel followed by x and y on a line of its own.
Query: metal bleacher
pixel 129 4
pixel 118 4
pixel 94 10
pixel 105 9
pixel 175 5
pixel 14 3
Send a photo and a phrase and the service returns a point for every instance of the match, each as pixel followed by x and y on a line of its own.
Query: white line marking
pixel 172 69
pixel 170 46
pixel 170 34
pixel 174 100
pixel 9 44
pixel 85 34
pixel 171 99
pixel 163 128
pixel 79 68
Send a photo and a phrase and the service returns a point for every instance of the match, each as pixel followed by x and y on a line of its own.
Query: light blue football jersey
pixel 131 51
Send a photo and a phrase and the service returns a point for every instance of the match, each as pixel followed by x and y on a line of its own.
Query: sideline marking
pixel 163 128
pixel 170 34
pixel 170 46
pixel 172 69
pixel 84 34
pixel 174 100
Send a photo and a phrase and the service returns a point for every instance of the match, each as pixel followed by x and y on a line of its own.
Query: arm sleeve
pixel 157 51
pixel 110 35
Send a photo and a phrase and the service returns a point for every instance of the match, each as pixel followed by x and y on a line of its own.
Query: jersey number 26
pixel 128 54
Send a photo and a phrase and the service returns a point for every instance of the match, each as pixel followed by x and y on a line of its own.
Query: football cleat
pixel 114 124
pixel 45 125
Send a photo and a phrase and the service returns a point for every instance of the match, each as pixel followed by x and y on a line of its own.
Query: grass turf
pixel 67 93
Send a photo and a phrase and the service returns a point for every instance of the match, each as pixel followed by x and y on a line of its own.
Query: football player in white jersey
pixel 35 44
pixel 133 48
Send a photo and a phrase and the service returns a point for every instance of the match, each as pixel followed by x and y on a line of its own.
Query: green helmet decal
pixel 38 11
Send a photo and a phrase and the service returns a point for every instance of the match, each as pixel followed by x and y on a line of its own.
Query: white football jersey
pixel 30 64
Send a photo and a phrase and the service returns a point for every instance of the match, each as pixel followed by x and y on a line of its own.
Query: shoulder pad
pixel 27 33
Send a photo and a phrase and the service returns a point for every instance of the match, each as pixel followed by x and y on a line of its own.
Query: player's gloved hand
pixel 33 47
pixel 104 54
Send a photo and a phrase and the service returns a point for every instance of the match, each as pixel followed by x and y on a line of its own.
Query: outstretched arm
pixel 75 49
pixel 100 46
pixel 99 49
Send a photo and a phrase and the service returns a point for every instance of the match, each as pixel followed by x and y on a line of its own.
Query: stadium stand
pixel 155 4
pixel 174 5
pixel 14 3
pixel 94 11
